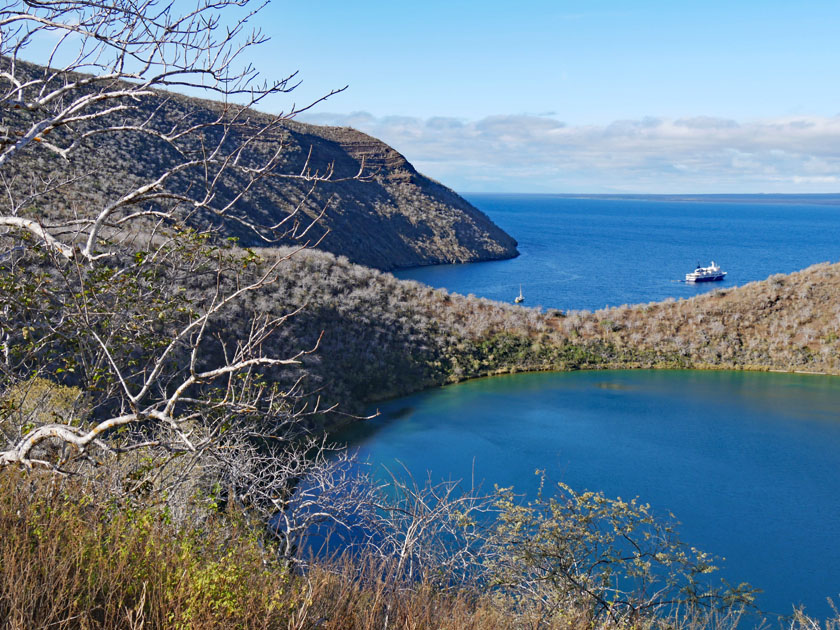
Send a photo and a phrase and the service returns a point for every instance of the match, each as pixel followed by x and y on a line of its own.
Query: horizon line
pixel 629 194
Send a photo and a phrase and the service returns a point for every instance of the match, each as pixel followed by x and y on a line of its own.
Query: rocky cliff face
pixel 392 217
pixel 397 217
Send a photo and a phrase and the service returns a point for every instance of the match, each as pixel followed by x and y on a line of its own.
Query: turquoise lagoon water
pixel 747 462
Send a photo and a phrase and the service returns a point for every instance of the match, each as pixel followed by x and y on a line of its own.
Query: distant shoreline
pixel 823 199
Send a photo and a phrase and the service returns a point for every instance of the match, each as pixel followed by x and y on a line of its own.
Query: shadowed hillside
pixel 378 210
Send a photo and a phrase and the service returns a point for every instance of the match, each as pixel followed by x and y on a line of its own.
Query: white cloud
pixel 542 154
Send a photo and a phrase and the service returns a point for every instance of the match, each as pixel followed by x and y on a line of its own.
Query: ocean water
pixel 587 253
pixel 747 462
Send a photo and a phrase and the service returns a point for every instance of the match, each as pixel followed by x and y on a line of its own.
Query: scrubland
pixel 165 393
pixel 169 540
pixel 787 322
pixel 69 561
pixel 383 337
pixel 134 551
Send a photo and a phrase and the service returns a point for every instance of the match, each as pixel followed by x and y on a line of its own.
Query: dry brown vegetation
pixel 71 561
pixel 157 382
pixel 787 322
pixel 383 337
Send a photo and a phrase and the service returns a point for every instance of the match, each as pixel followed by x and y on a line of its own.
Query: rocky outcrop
pixel 396 217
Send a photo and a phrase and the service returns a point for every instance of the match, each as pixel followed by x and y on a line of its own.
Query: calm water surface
pixel 748 462
pixel 589 253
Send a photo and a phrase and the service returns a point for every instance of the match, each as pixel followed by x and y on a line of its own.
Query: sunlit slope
pixel 787 322
pixel 382 337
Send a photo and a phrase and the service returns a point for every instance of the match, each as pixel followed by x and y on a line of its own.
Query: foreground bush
pixel 70 560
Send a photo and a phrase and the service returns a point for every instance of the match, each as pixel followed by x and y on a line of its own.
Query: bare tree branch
pixel 109 62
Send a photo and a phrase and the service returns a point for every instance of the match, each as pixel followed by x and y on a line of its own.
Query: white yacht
pixel 705 274
pixel 519 298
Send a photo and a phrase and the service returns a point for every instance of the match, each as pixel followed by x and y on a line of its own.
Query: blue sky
pixel 576 96
pixel 584 62
pixel 568 96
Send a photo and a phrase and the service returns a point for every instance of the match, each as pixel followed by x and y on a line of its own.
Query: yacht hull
pixel 705 274
pixel 706 279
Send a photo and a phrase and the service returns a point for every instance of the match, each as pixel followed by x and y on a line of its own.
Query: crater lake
pixel 747 462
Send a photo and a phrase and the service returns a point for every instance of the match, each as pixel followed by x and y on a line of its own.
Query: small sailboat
pixel 520 297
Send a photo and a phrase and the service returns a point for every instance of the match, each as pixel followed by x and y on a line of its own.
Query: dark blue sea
pixel 586 253
pixel 748 462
